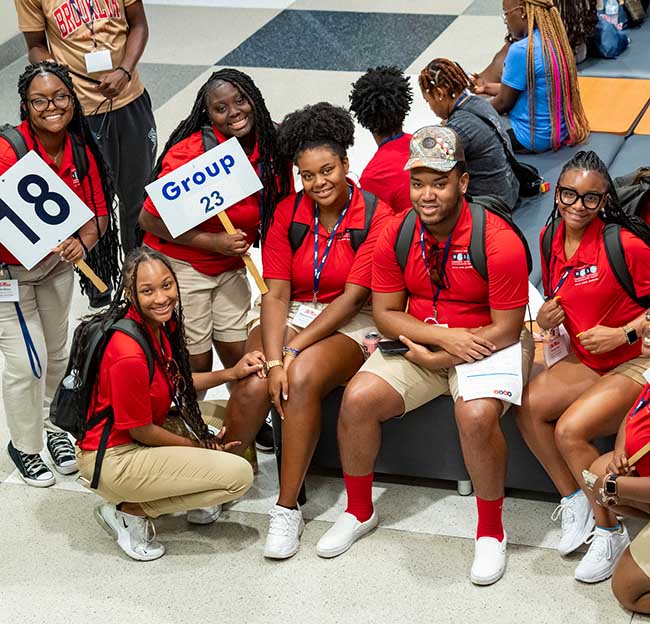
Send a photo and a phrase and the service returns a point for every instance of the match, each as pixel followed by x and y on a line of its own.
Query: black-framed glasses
pixel 590 200
pixel 60 101
pixel 176 377
pixel 437 273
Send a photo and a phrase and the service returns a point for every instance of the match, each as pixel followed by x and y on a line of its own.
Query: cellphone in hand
pixel 392 347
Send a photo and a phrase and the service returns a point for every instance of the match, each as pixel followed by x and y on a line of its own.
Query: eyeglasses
pixel 590 201
pixel 504 15
pixel 60 101
pixel 176 377
pixel 437 273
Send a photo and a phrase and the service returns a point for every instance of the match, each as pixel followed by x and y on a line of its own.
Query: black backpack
pixel 69 407
pixel 10 134
pixel 477 254
pixel 633 190
pixel 615 255
pixel 298 231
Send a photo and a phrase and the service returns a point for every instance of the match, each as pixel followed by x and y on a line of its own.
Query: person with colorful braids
pixel 52 121
pixel 147 470
pixel 539 86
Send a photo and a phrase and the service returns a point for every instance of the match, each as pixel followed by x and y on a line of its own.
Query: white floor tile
pixel 431 7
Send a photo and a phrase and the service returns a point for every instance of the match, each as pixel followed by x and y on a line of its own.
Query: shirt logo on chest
pixel 460 259
pixel 67 18
pixel 585 275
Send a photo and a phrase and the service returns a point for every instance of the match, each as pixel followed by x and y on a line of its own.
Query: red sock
pixel 489 518
pixel 359 496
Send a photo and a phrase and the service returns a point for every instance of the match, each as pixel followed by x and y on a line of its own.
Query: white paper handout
pixel 496 377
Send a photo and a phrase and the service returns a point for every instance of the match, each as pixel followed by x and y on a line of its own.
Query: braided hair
pixel 275 174
pixel 105 256
pixel 562 90
pixel 381 99
pixel 126 297
pixel 612 211
pixel 444 74
pixel 580 18
pixel 317 125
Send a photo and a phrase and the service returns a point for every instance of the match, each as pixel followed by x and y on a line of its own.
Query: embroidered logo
pixel 460 259
pixel 585 275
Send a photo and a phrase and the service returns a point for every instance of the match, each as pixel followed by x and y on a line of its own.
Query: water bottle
pixel 72 381
pixel 611 12
pixel 645 335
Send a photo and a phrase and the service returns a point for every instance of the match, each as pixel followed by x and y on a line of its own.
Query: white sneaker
pixel 285 528
pixel 606 548
pixel 206 515
pixel 489 560
pixel 577 522
pixel 346 530
pixel 135 535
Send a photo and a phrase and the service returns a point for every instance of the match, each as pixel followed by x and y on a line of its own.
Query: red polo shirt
pixel 591 295
pixel 343 265
pixel 88 190
pixel 123 384
pixel 384 175
pixel 245 215
pixel 637 431
pixel 469 298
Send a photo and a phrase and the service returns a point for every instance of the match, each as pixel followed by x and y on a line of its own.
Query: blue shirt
pixel 514 76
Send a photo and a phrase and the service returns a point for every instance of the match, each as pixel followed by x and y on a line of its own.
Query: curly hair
pixel 381 99
pixel 316 125
pixel 125 298
pixel 275 172
pixel 105 256
pixel 580 18
pixel 611 211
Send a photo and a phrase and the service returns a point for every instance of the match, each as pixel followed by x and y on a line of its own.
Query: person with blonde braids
pixel 539 85
pixel 448 91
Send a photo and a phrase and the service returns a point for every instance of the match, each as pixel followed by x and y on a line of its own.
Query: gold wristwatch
pixel 271 364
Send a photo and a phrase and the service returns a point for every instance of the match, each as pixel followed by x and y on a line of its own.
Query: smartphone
pixel 391 347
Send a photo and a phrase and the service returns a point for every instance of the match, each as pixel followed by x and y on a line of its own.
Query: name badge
pixel 8 290
pixel 305 315
pixel 556 346
pixel 98 61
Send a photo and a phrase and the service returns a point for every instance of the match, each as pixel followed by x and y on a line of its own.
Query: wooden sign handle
pixel 638 455
pixel 91 275
pixel 248 261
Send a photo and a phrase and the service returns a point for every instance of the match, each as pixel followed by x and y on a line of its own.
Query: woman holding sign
pixel 34 325
pixel 207 260
pixel 317 263
pixel 594 363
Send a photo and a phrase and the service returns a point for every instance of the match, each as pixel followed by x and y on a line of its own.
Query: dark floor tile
pixel 335 40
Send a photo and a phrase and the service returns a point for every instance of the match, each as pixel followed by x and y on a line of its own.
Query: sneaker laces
pixel 34 464
pixel 143 530
pixel 565 512
pixel 60 446
pixel 600 546
pixel 280 523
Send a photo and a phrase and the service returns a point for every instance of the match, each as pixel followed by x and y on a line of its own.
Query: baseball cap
pixel 435 147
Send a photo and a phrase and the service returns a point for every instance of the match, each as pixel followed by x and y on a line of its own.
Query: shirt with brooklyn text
pixel 67 24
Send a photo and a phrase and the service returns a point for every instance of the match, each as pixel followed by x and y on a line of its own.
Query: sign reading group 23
pixel 38 210
pixel 204 187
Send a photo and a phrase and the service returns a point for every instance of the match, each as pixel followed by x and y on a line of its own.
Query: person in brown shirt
pixel 101 41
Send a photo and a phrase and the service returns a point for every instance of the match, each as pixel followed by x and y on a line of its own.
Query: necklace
pixel 55 158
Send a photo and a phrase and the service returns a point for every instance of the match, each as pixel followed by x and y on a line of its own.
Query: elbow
pixel 103 225
pixel 145 220
pixel 382 322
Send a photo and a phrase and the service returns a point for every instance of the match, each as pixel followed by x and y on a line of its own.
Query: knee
pixel 304 380
pixel 357 406
pixel 248 392
pixel 621 588
pixel 474 421
pixel 568 433
pixel 240 478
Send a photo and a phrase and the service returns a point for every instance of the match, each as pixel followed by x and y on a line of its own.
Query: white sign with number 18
pixel 38 210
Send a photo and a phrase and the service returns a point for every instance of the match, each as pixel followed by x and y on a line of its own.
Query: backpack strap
pixel 10 134
pixel 546 244
pixel 405 239
pixel 297 231
pixel 357 237
pixel 103 441
pixel 477 254
pixel 208 137
pixel 616 256
pixel 132 329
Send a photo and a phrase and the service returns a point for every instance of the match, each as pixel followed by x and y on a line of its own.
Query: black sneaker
pixel 32 468
pixel 62 452
pixel 264 438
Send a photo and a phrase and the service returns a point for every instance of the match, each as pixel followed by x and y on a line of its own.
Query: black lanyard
pixel 643 401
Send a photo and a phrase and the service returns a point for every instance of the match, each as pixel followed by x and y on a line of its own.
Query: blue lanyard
pixel 441 273
pixel 643 401
pixel 91 24
pixel 561 282
pixel 32 353
pixel 318 268
pixel 399 135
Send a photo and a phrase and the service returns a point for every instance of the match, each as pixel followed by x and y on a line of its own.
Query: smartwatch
pixel 631 335
pixel 610 485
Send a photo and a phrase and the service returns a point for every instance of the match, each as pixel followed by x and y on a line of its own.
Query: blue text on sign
pixel 173 190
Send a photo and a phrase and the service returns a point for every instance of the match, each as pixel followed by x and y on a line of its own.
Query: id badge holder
pixel 556 346
pixel 8 287
pixel 305 315
pixel 98 61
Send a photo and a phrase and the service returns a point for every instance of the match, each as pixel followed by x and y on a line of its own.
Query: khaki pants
pixel 167 479
pixel 45 298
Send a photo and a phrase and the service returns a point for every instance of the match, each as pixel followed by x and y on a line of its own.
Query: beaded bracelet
pixel 290 351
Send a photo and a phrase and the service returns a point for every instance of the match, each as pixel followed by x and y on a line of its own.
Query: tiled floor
pixel 56 563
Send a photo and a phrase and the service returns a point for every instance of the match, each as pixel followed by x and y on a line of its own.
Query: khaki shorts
pixel 417 385
pixel 356 328
pixel 640 549
pixel 215 307
pixel 633 369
